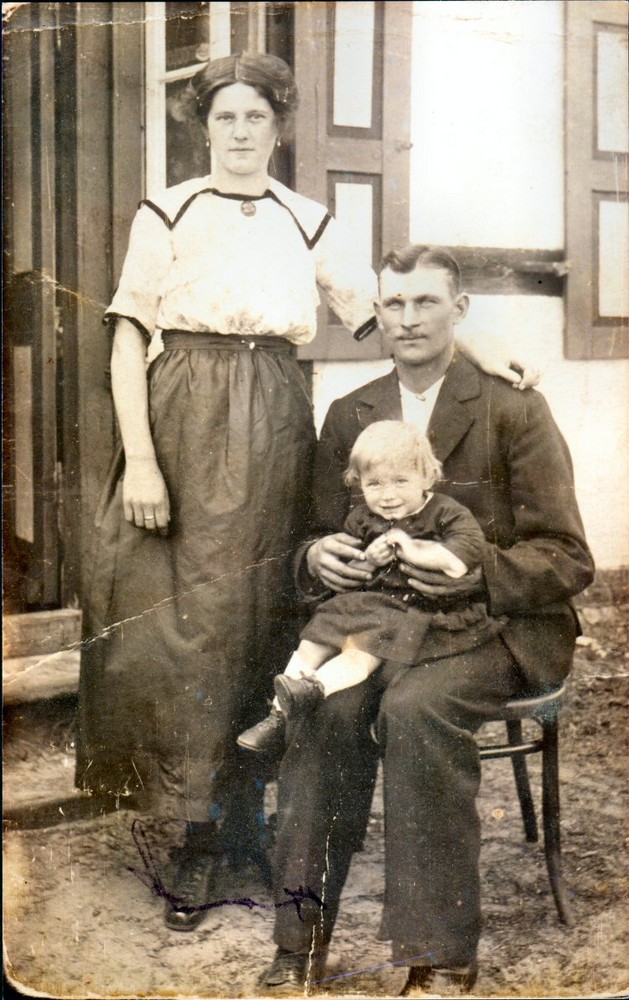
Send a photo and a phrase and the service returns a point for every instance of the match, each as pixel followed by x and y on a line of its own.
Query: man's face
pixel 417 314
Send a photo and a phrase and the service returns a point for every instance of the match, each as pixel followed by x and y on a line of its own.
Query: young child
pixel 351 633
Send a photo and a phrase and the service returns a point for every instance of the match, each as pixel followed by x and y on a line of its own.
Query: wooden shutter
pixel 597 180
pixel 352 142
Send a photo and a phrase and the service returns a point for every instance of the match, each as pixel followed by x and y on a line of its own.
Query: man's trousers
pixel 425 719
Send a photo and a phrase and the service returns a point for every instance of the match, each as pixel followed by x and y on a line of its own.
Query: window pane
pixel 187 28
pixel 613 262
pixel 611 92
pixel 186 152
pixel 353 64
pixel 354 209
pixel 487 124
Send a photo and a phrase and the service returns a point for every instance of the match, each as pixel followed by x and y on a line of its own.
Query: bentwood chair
pixel 544 711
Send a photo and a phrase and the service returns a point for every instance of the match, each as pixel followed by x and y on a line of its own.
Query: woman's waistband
pixel 183 340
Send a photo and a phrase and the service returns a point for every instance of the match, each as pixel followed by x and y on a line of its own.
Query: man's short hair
pixel 403 260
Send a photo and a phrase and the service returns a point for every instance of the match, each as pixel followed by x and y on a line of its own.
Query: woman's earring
pixel 207 143
pixel 279 143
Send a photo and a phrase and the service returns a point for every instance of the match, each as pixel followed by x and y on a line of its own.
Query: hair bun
pixel 269 75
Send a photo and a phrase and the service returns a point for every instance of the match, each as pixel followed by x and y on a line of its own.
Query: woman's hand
pixel 328 560
pixel 433 583
pixel 521 374
pixel 144 495
pixel 496 358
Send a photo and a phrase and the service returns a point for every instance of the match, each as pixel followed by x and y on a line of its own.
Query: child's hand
pixel 363 564
pixel 398 541
pixel 380 552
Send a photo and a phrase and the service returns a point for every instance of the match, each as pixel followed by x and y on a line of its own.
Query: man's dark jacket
pixel 505 459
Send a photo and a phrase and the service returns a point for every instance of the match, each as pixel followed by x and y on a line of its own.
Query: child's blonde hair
pixel 395 443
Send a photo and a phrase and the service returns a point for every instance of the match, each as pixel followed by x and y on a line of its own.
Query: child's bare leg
pixel 306 661
pixel 268 735
pixel 307 658
pixel 351 667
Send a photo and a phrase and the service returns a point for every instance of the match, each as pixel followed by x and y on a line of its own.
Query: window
pixel 597 193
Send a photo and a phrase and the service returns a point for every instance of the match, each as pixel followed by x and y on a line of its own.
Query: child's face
pixel 393 492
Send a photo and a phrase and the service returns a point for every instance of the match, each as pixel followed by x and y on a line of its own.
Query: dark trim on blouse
pixel 110 318
pixel 310 242
pixel 367 328
pixel 184 208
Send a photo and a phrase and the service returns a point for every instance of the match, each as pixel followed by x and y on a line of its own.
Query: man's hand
pixel 328 559
pixel 432 583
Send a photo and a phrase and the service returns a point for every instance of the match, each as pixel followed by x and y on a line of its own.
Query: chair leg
pixel 521 775
pixel 550 807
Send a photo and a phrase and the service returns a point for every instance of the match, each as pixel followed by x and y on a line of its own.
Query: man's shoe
pixel 298 694
pixel 289 970
pixel 426 981
pixel 195 875
pixel 267 736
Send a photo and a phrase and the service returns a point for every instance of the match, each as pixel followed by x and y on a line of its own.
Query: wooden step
pixel 41 632
pixel 29 678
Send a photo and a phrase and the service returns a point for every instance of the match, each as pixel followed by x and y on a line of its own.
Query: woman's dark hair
pixel 406 259
pixel 269 75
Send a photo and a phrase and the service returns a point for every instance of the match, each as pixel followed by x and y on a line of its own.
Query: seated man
pixel 504 458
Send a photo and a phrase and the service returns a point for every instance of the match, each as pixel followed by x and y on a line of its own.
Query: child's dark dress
pixel 389 619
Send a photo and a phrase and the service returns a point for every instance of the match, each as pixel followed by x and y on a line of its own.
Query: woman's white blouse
pixel 197 263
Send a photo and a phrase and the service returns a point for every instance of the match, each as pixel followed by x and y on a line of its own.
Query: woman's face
pixel 242 130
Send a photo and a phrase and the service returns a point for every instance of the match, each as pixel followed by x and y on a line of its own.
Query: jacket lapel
pixel 379 400
pixel 452 416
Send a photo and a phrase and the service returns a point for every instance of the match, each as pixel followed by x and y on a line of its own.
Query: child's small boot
pixel 267 736
pixel 298 694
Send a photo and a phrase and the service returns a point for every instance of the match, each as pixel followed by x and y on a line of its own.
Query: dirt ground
pixel 78 923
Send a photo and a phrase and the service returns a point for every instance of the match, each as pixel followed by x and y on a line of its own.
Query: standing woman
pixel 192 603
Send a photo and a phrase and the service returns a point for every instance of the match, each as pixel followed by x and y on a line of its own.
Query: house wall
pixel 487 169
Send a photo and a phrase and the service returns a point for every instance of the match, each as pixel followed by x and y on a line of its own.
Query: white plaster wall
pixel 487 169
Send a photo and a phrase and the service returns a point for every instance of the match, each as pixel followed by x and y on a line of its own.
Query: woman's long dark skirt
pixel 188 630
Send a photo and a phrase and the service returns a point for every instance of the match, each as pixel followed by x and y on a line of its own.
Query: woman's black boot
pixel 195 868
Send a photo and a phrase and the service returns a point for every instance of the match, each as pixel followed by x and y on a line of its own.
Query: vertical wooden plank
pixel 45 550
pixel 17 130
pixel 311 78
pixel 396 123
pixel 17 258
pixel 578 145
pixel 239 26
pixel 257 26
pixel 67 300
pixel 155 68
pixel 45 354
pixel 127 126
pixel 94 264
